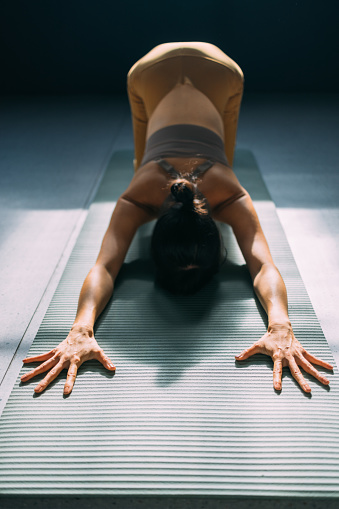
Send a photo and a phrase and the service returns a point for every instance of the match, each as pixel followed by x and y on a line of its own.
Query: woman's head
pixel 186 243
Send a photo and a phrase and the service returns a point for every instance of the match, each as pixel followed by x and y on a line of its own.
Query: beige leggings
pixel 210 70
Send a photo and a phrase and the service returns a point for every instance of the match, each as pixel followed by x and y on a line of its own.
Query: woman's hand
pixel 79 346
pixel 280 343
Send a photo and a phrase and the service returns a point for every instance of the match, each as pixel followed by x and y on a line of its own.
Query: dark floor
pixel 162 503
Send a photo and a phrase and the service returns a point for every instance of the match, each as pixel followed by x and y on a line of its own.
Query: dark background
pixel 74 46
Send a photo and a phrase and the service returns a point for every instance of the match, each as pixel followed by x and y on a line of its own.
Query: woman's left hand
pixel 280 343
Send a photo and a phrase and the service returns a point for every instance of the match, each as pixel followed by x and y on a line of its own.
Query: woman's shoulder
pixel 148 188
pixel 221 187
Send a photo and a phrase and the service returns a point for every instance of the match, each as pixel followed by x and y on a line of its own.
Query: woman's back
pixel 185 104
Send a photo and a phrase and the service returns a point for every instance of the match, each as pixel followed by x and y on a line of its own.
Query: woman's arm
pixel 279 342
pixel 99 284
pixel 80 344
pixel 267 281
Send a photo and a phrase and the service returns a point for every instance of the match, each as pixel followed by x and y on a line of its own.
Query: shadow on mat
pixel 171 332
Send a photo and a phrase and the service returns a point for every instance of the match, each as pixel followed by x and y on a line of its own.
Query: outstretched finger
pixel 312 371
pixel 296 373
pixel 41 357
pixel 277 373
pixel 101 357
pixel 255 348
pixel 40 369
pixel 50 377
pixel 71 376
pixel 316 361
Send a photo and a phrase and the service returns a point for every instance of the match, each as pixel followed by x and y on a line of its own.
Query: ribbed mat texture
pixel 180 416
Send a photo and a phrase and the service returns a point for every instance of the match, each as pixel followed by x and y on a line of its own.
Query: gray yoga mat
pixel 180 416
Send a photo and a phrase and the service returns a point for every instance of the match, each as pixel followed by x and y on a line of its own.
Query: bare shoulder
pixel 148 188
pixel 221 187
pixel 238 211
pixel 126 218
pixel 136 206
pixel 241 215
pixel 232 204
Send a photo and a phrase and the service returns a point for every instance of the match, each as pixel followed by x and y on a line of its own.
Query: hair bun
pixel 182 193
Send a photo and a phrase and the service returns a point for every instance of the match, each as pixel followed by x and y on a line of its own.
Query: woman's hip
pixel 208 68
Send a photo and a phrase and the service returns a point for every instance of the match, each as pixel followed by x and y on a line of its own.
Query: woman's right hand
pixel 79 346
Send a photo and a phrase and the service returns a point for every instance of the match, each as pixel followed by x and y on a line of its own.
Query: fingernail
pixel 307 388
pixel 112 366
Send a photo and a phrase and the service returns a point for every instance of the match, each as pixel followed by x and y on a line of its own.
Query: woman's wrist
pixel 278 317
pixel 83 327
pixel 85 318
pixel 279 325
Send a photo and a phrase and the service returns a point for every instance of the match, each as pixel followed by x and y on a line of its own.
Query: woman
pixel 185 100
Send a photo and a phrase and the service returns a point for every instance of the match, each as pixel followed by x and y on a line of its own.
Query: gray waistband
pixel 185 140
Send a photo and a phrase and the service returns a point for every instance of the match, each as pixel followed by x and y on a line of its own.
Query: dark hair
pixel 186 243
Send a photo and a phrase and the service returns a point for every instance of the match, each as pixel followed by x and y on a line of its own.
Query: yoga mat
pixel 180 416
